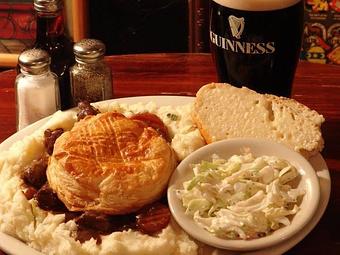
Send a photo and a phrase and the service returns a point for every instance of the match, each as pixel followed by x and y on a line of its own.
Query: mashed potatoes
pixel 48 233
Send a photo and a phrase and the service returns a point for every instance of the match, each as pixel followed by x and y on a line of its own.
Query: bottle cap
pixel 48 5
pixel 34 61
pixel 89 50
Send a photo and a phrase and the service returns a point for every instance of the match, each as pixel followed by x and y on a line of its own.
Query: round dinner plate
pixel 16 247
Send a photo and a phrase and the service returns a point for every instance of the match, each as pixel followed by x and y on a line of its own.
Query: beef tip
pixel 71 215
pixel 92 225
pixel 34 175
pixel 95 221
pixel 84 235
pixel 86 109
pixel 29 192
pixel 48 200
pixel 123 222
pixel 50 138
pixel 106 224
pixel 150 220
pixel 153 219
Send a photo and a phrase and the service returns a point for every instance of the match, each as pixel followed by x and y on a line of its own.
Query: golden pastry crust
pixel 111 164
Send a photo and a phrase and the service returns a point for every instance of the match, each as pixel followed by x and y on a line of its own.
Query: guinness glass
pixel 256 43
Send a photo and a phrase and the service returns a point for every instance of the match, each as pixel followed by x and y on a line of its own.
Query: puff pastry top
pixel 111 164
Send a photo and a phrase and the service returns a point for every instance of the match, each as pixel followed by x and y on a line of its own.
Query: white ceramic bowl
pixel 258 147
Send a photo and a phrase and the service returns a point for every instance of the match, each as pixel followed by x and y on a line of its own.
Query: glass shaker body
pixel 37 96
pixel 91 78
pixel 91 82
pixel 36 88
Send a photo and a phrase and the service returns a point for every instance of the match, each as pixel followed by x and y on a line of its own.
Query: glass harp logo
pixel 240 46
pixel 236 26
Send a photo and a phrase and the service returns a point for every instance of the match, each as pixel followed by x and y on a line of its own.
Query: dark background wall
pixel 140 26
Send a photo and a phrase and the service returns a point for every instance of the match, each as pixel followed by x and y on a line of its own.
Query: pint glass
pixel 256 43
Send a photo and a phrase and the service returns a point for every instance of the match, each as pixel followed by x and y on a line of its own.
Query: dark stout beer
pixel 257 45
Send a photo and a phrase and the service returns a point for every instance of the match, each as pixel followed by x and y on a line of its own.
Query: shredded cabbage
pixel 243 197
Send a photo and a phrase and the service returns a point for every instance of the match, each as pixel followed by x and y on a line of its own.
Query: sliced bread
pixel 222 111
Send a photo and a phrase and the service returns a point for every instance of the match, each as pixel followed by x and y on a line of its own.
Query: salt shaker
pixel 91 78
pixel 36 88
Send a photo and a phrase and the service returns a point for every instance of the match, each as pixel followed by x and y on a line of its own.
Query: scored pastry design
pixel 111 164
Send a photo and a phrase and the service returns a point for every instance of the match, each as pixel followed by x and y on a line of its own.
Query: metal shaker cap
pixel 89 50
pixel 34 61
pixel 48 5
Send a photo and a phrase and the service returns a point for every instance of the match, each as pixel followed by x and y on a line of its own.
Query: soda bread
pixel 222 111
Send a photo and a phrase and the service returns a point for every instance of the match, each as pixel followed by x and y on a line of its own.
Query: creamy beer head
pixel 257 5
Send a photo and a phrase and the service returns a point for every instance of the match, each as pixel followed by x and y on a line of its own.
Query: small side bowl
pixel 258 147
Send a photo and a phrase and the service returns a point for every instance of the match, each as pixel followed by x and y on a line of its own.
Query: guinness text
pixel 242 47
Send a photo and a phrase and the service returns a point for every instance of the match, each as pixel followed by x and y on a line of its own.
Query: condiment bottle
pixel 52 38
pixel 91 78
pixel 36 88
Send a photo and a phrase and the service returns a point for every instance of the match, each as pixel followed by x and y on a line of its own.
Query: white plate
pixel 15 247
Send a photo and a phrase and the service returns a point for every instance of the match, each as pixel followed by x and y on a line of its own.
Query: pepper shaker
pixel 36 88
pixel 91 78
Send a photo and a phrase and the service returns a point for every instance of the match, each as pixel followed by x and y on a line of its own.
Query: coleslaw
pixel 243 197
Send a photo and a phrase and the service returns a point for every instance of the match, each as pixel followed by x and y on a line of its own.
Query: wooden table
pixel 316 85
